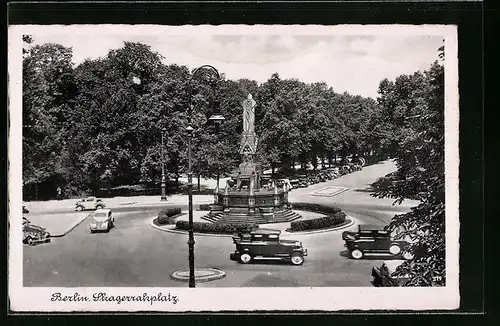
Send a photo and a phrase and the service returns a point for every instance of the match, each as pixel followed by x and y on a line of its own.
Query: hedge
pixel 165 215
pixel 310 207
pixel 185 191
pixel 204 207
pixel 216 228
pixel 319 223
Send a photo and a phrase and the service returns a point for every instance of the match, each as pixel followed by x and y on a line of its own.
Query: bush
pixel 215 228
pixel 204 207
pixel 165 216
pixel 309 207
pixel 319 223
pixel 203 191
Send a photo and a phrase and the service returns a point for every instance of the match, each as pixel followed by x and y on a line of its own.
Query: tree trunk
pixel 199 186
pixel 218 178
pixel 272 170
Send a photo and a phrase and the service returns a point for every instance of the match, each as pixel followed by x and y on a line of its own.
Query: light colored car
pixel 102 220
pixel 89 203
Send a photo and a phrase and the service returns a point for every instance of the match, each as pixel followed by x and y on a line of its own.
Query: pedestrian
pixel 59 193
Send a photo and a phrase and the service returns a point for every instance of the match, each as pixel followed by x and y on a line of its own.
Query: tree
pixel 49 91
pixel 419 155
pixel 106 122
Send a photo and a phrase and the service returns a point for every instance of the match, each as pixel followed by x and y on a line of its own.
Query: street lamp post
pixel 163 185
pixel 215 117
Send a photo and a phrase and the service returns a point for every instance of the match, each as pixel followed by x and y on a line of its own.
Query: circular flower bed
pixel 167 215
pixel 333 217
pixel 216 228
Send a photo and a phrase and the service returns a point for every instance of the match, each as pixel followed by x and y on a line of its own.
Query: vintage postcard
pixel 233 168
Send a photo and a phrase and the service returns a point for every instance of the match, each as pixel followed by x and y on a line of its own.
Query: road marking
pixel 329 191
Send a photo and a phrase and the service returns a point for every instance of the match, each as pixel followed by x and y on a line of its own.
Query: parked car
pixel 281 182
pixel 303 181
pixel 295 183
pixel 34 234
pixel 89 203
pixel 374 240
pixel 383 275
pixel 323 177
pixel 265 244
pixel 102 220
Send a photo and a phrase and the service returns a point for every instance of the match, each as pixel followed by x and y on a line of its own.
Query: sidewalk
pixel 120 201
pixel 60 224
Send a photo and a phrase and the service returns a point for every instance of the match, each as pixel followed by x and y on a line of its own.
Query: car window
pixel 101 215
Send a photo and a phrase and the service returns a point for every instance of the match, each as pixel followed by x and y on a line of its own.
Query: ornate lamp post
pixel 216 117
pixel 163 185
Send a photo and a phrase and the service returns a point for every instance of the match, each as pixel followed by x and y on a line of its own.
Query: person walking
pixel 59 193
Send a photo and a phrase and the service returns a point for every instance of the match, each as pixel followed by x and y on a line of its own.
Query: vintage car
pixel 304 181
pixel 34 234
pixel 102 220
pixel 89 203
pixel 281 182
pixel 374 240
pixel 265 244
pixel 294 183
pixel 384 275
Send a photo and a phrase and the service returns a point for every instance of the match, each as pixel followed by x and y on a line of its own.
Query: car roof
pixel 103 210
pixel 265 231
pixel 369 227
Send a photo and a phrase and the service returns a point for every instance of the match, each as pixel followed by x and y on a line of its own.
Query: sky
pixel 348 63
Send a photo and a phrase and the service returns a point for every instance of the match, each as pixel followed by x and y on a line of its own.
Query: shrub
pixel 310 207
pixel 165 216
pixel 202 191
pixel 216 228
pixel 319 223
pixel 204 207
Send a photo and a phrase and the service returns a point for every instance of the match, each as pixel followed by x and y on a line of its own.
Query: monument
pixel 244 199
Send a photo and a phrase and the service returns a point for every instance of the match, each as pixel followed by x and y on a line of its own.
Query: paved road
pixel 134 254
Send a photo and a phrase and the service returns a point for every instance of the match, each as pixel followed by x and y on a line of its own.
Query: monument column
pixel 251 197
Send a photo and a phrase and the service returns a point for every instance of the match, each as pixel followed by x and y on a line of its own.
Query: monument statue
pixel 249 115
pixel 249 201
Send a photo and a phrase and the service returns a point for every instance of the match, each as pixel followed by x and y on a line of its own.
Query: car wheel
pixel 356 254
pixel 79 208
pixel 297 259
pixel 394 249
pixel 99 207
pixel 30 241
pixel 245 258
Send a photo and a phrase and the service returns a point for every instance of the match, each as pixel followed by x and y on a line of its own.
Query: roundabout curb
pixel 283 233
pixel 204 274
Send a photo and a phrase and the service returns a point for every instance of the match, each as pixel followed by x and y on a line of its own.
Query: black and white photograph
pixel 233 167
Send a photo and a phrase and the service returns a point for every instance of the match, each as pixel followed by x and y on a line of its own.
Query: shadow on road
pixel 267 262
pixel 345 254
